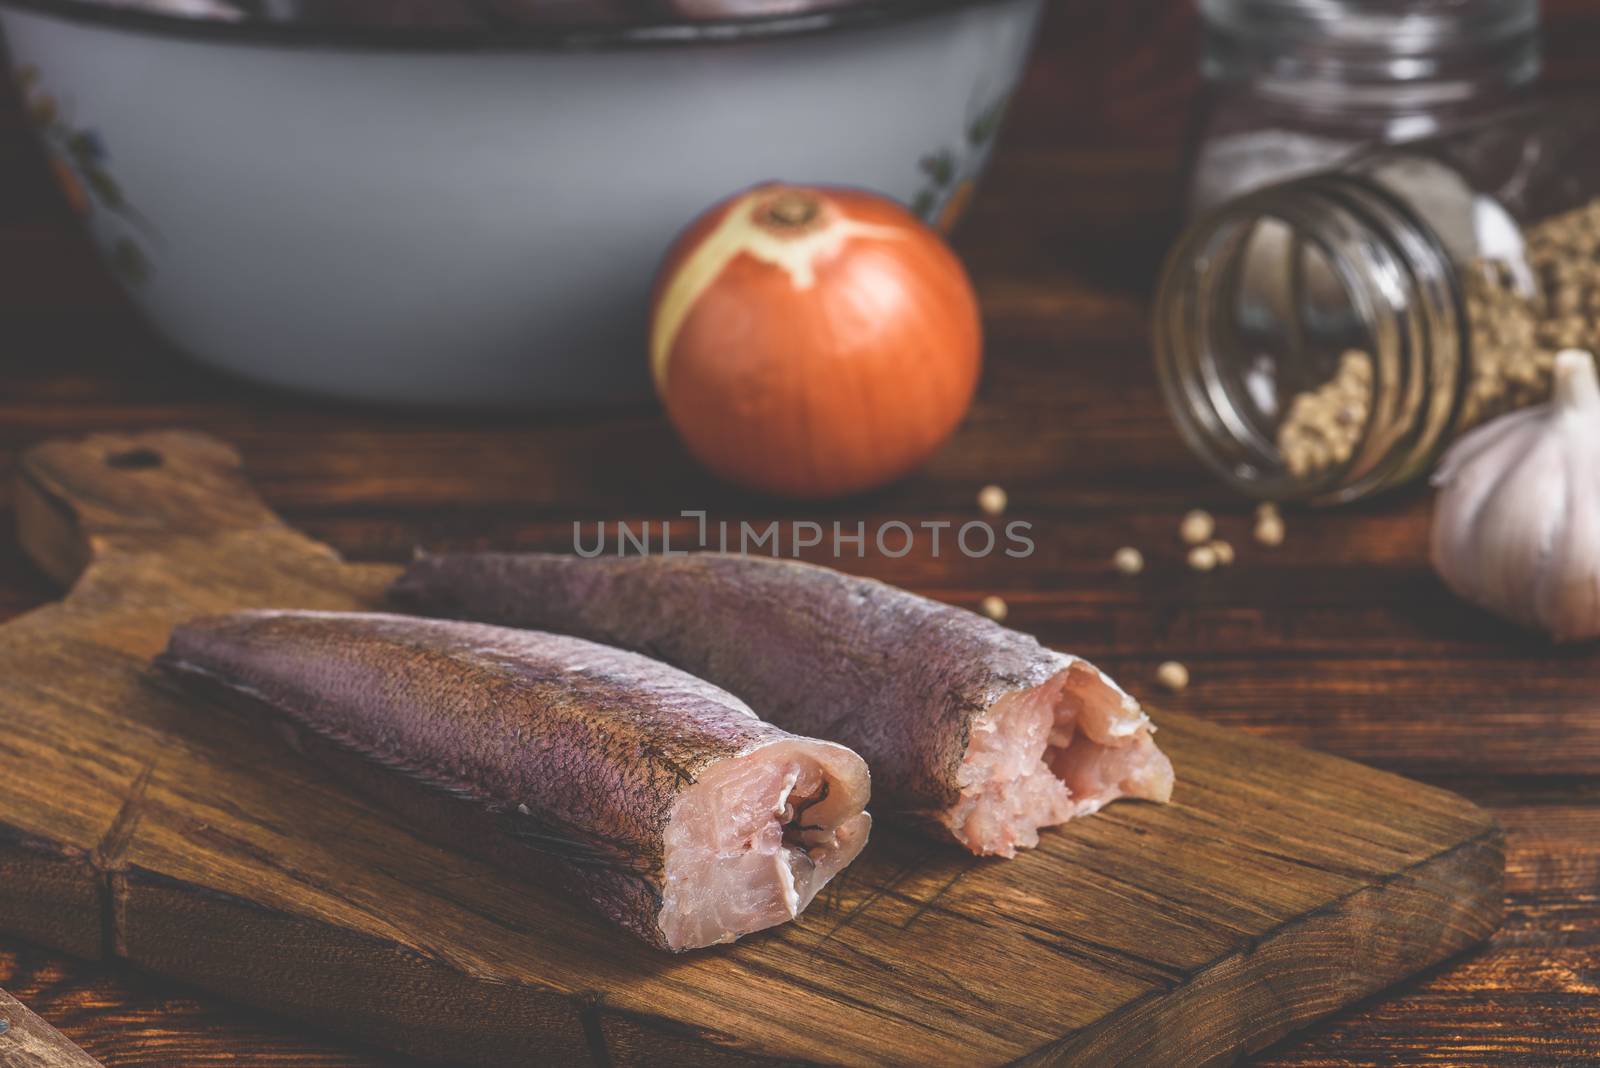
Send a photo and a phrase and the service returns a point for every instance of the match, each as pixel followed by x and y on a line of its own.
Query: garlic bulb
pixel 1516 527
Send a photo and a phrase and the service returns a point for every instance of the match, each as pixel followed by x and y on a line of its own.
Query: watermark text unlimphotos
pixel 791 537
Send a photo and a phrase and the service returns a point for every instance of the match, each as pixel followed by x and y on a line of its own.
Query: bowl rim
pixel 486 38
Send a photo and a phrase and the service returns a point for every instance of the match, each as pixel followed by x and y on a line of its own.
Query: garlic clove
pixel 1467 478
pixel 1517 523
pixel 1575 392
pixel 1568 598
pixel 1481 440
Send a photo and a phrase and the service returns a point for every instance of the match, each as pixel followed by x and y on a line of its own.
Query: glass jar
pixel 1326 337
pixel 1295 85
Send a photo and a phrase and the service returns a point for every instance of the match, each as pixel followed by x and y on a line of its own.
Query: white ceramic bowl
pixel 449 219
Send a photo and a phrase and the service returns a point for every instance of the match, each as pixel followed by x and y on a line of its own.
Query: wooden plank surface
pixel 1280 885
pixel 1341 639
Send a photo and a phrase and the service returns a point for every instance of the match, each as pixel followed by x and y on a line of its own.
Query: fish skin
pixel 456 725
pixel 897 677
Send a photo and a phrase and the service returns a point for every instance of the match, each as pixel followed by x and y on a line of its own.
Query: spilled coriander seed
pixel 1197 527
pixel 1173 676
pixel 992 500
pixel 1269 530
pixel 995 608
pixel 1128 560
pixel 1520 311
pixel 1324 425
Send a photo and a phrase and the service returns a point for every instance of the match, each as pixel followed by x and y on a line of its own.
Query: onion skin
pixel 813 342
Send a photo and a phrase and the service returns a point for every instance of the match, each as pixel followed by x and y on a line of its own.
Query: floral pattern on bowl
pixel 951 174
pixel 79 163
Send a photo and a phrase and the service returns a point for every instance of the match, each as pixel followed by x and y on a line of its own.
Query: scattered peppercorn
pixel 992 500
pixel 1128 560
pixel 1197 527
pixel 1173 675
pixel 994 608
pixel 1269 529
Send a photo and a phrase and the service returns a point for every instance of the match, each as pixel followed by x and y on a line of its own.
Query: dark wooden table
pixel 1342 639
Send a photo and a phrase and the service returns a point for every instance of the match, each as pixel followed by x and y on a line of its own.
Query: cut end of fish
pixel 1042 756
pixel 754 839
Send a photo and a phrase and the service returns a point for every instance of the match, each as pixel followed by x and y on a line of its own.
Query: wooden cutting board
pixel 1280 884
pixel 28 1042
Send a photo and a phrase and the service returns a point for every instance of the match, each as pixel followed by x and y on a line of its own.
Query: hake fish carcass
pixel 661 799
pixel 962 720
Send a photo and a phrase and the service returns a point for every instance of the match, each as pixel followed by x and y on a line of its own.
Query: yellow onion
pixel 813 341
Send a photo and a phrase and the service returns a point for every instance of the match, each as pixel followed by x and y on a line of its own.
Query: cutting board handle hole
pixel 134 460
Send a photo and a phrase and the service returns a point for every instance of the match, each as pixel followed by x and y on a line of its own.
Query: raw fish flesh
pixel 962 721
pixel 659 798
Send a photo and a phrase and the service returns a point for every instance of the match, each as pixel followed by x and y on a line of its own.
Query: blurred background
pixel 1343 639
